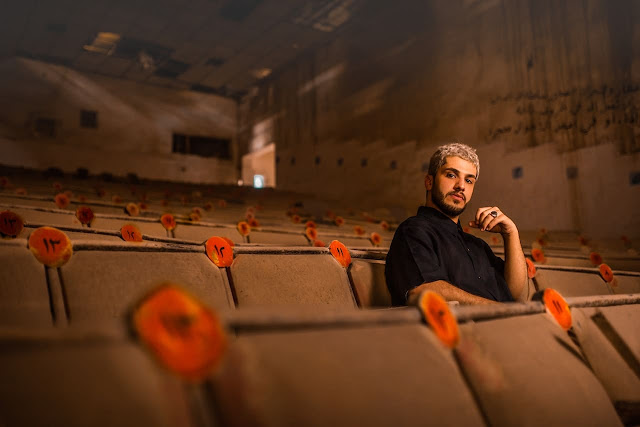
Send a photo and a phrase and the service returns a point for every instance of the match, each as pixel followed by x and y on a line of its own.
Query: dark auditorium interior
pixel 197 200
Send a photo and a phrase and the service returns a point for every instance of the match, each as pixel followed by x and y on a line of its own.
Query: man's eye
pixel 450 175
pixel 469 181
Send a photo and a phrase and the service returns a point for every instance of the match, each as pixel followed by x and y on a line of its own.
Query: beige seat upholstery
pixel 373 376
pixel 626 284
pixel 284 239
pixel 572 283
pixel 624 321
pixel 369 283
pixel 202 233
pixel 88 380
pixel 24 297
pixel 102 285
pixel 608 354
pixel 311 280
pixel 526 371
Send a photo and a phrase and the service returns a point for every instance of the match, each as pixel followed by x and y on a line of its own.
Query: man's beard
pixel 437 197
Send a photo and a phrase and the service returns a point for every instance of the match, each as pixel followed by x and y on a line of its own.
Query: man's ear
pixel 428 182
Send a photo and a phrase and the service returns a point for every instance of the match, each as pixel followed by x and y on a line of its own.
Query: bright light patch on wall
pixel 321 78
pixel 258 181
pixel 261 73
pixel 104 43
pixel 262 134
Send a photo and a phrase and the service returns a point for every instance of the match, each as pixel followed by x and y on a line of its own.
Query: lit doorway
pixel 259 167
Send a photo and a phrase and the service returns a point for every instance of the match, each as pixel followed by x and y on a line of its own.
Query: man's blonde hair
pixel 454 149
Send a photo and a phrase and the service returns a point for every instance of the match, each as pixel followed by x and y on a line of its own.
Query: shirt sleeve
pixel 411 261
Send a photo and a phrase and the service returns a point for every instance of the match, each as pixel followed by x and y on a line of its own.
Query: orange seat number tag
pixel 50 246
pixel 244 228
pixel 311 233
pixel 168 221
pixel 85 215
pixel 132 209
pixel 538 255
pixel 184 335
pixel 557 307
pixel 375 238
pixel 340 253
pixel 606 273
pixel 219 251
pixel 11 224
pixel 62 200
pixel 131 233
pixel 436 313
pixel 531 268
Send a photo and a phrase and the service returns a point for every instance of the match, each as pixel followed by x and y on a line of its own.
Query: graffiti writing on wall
pixel 578 113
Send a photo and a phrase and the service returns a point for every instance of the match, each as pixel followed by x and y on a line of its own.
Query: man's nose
pixel 459 185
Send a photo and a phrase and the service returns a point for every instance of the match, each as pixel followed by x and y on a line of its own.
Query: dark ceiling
pixel 222 47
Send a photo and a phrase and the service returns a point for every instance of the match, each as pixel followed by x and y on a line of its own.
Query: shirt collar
pixel 439 218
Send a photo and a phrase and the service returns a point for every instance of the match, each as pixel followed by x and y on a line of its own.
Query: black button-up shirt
pixel 429 247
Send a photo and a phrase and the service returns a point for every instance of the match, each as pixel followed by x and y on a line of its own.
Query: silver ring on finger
pixel 494 214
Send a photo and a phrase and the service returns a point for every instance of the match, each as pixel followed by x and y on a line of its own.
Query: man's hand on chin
pixel 493 220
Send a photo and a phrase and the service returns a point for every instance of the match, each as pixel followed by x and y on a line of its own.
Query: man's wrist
pixel 511 234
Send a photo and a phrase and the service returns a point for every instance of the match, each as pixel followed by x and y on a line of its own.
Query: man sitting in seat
pixel 430 251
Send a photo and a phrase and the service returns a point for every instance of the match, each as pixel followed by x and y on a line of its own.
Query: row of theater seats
pixel 288 367
pixel 106 226
pixel 562 248
pixel 276 232
pixel 235 200
pixel 181 199
pixel 310 341
pixel 103 279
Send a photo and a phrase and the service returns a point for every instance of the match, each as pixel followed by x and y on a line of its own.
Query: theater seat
pixel 350 242
pixel 526 371
pixel 42 217
pixel 572 283
pixel 607 354
pixel 292 279
pixel 373 376
pixel 626 283
pixel 568 261
pixel 626 263
pixel 85 379
pixel 24 297
pixel 59 218
pixel 201 233
pixel 273 238
pixel 146 227
pixel 34 201
pixel 79 233
pixel 103 284
pixel 630 263
pixel 369 283
pixel 624 321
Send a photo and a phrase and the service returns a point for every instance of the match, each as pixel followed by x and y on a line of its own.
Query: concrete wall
pixel 135 124
pixel 543 85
